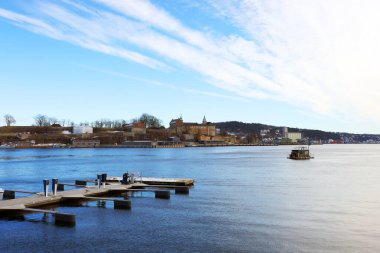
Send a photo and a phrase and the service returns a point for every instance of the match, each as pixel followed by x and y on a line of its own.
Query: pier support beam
pixel 64 219
pixel 122 204
pixel 162 194
pixel 9 194
pixel 182 190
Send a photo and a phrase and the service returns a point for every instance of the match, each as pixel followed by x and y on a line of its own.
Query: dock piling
pixel 182 190
pixel 64 219
pixel 162 194
pixel 122 204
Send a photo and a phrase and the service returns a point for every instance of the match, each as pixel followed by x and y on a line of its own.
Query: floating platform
pixel 112 186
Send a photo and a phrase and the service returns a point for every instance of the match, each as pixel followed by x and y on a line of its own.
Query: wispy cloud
pixel 75 30
pixel 161 84
pixel 320 56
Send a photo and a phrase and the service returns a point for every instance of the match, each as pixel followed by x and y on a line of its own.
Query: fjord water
pixel 245 199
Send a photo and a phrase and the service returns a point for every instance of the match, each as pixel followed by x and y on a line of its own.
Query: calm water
pixel 246 199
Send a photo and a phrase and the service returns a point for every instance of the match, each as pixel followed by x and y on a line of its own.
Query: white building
pixel 294 136
pixel 82 130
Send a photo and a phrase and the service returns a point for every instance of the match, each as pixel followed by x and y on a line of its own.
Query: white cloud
pixel 321 53
pixel 318 55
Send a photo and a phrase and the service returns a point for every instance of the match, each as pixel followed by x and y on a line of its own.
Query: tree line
pixel 41 120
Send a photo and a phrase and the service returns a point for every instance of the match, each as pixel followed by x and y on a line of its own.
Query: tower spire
pixel 204 120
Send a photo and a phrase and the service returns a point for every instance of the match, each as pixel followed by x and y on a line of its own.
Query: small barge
pixel 300 153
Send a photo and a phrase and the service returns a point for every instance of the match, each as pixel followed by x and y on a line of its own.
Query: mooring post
pixel 46 187
pixel 104 179
pixel 122 204
pixel 182 190
pixel 162 194
pixel 125 178
pixel 99 178
pixel 64 219
pixel 54 186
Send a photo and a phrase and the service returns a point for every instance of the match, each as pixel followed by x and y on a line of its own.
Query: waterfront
pixel 245 199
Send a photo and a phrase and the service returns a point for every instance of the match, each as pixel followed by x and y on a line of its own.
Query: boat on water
pixel 300 153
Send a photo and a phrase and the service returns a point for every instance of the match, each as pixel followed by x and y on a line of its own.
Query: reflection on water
pixel 246 199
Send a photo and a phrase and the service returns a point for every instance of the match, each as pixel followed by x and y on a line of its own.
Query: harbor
pixel 104 187
pixel 242 198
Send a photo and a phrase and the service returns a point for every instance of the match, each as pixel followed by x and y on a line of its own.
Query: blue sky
pixel 294 63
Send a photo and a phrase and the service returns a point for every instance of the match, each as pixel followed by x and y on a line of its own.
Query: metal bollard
pixel 54 186
pixel 46 187
pixel 99 178
pixel 125 178
pixel 104 179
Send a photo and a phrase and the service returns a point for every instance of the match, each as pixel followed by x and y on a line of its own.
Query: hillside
pixel 242 128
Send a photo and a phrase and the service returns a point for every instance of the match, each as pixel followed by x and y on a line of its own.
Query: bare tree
pixel 52 120
pixel 149 120
pixel 41 120
pixel 9 119
pixel 64 122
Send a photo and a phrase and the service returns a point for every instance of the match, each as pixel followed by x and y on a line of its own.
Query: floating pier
pixel 104 185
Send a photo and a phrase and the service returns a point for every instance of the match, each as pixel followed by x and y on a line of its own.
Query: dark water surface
pixel 246 199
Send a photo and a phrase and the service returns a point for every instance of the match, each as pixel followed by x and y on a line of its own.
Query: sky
pixel 306 64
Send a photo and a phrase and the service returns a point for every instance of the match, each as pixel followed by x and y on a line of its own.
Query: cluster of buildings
pixel 136 134
pixel 282 136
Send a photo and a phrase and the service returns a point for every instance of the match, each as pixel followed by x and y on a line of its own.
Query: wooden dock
pixel 34 203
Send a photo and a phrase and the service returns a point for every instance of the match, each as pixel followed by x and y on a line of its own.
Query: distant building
pixel 77 143
pixel 139 144
pixel 284 132
pixel 24 144
pixel 177 126
pixel 138 128
pixel 264 132
pixel 294 136
pixel 83 130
